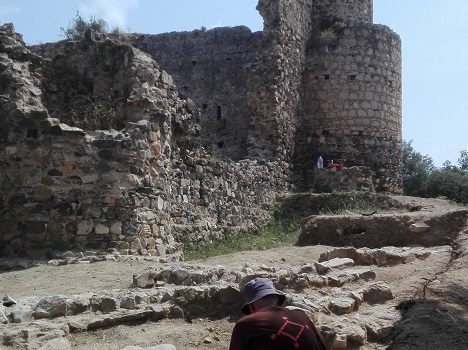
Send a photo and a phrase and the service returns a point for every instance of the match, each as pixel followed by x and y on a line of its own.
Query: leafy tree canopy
pixel 463 160
pixel 416 170
pixel 421 178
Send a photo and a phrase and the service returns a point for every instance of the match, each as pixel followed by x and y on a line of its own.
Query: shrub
pixel 78 26
pixel 449 183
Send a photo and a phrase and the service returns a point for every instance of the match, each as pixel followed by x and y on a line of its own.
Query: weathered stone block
pixel 378 293
pixel 50 307
pixel 336 263
pixel 108 304
pixel 84 227
pixel 101 229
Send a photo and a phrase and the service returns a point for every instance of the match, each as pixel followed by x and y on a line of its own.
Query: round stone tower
pixel 352 93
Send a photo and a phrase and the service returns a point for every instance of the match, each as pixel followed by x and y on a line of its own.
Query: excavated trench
pixel 436 316
pixel 371 297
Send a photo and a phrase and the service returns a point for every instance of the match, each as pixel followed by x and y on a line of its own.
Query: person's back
pixel 276 327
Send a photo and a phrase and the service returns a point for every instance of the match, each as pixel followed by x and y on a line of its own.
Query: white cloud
pixel 114 12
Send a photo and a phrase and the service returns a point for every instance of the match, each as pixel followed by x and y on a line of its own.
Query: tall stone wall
pixel 353 102
pixel 212 67
pixel 275 85
pixel 246 83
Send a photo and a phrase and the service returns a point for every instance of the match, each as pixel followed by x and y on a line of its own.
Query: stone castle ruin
pixel 141 145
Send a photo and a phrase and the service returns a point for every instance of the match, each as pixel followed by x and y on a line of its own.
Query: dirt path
pixel 70 279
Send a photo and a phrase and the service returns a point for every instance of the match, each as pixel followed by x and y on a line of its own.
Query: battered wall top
pixel 359 10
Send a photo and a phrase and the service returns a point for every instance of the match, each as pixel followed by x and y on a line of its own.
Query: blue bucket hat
pixel 258 288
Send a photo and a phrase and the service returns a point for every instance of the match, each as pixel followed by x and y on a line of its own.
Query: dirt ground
pixel 405 281
pixel 435 314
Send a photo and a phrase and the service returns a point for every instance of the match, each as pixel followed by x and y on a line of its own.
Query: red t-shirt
pixel 275 328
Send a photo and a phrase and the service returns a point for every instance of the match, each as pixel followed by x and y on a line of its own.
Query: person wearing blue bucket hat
pixel 267 325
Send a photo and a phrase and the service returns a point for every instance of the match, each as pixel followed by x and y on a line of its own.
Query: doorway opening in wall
pixel 220 144
pixel 218 113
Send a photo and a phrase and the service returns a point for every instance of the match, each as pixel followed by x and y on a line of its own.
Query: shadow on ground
pixel 434 324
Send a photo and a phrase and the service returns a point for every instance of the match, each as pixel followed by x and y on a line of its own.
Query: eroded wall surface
pixel 211 67
pixel 141 190
pixel 276 84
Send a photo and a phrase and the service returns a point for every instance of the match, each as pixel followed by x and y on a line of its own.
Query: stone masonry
pixel 319 79
pixel 140 145
pixel 141 190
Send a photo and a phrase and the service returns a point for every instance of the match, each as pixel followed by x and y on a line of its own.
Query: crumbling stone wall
pixel 108 190
pixel 21 106
pixel 276 84
pixel 143 189
pixel 246 83
pixel 344 180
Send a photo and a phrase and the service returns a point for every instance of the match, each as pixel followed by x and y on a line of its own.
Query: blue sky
pixel 434 35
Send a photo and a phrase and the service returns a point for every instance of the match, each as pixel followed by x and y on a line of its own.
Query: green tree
pixel 421 178
pixel 449 183
pixel 416 170
pixel 463 160
pixel 79 26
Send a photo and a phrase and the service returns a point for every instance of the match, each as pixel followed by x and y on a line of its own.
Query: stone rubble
pixel 182 290
pixel 157 347
pixel 360 312
pixel 187 291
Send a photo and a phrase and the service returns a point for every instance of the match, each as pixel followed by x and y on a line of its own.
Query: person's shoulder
pixel 295 309
pixel 297 312
pixel 246 319
pixel 260 314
